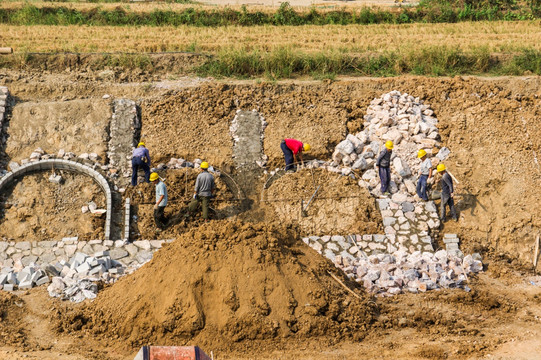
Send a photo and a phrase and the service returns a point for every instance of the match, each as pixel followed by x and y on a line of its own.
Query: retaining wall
pixel 61 164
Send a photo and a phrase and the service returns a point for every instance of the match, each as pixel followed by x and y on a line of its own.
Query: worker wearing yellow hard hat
pixel 205 188
pixel 161 202
pixel 292 150
pixel 447 193
pixel 140 160
pixel 383 164
pixel 425 175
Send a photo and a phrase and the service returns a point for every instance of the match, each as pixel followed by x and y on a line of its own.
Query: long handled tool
pixel 303 210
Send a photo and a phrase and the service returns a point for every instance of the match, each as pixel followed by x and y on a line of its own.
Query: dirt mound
pixel 180 186
pixel 53 211
pixel 340 206
pixel 224 284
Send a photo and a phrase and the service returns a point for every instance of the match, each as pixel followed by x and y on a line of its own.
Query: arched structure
pixel 68 165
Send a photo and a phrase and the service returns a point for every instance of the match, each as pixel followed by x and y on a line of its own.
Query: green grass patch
pixel 427 11
pixel 433 61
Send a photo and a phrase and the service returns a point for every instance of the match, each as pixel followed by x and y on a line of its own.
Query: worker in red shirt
pixel 292 149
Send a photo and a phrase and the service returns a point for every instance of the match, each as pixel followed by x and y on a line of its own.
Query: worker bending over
pixel 425 175
pixel 204 191
pixel 161 201
pixel 447 193
pixel 383 165
pixel 140 160
pixel 292 149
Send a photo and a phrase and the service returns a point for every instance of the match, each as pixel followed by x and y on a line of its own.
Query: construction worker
pixel 447 193
pixel 161 201
pixel 425 174
pixel 292 149
pixel 204 191
pixel 140 160
pixel 383 165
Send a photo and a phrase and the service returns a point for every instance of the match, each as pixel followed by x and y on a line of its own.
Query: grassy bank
pixel 433 61
pixel 428 11
pixel 291 63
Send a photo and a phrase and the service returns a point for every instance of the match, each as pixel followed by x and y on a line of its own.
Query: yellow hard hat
pixel 141 144
pixel 421 153
pixel 154 176
pixel 389 145
pixel 441 167
pixel 306 147
pixel 204 165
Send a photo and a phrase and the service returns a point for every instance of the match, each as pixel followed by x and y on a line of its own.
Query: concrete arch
pixel 69 165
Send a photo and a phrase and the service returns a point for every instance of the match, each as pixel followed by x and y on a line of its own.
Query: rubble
pixel 386 267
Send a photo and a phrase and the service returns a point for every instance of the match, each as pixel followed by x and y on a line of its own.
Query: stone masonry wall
pixel 125 127
pixel 4 93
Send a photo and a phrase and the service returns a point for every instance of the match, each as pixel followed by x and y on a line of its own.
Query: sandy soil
pixel 78 126
pixel 54 211
pixel 340 206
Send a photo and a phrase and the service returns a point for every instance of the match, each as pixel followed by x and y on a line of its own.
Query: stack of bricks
pixel 451 244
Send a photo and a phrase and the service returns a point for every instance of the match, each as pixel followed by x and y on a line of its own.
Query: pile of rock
pixel 407 122
pixel 76 279
pixel 386 274
pixel 22 278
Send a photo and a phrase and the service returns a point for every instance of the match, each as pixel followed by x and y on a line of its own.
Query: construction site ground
pixel 247 287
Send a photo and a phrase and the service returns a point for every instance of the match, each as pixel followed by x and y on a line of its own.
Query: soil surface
pixel 78 126
pixel 340 205
pixel 224 287
pixel 54 211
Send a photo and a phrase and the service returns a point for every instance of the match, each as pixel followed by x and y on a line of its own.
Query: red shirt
pixel 294 145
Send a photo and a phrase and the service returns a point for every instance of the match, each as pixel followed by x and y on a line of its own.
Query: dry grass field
pixel 493 37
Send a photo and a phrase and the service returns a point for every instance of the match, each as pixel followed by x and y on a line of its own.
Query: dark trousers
pixel 447 200
pixel 288 156
pixel 385 176
pixel 204 200
pixel 137 163
pixel 421 187
pixel 159 217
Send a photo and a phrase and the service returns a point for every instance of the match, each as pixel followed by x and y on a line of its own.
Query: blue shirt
pixel 161 190
pixel 142 152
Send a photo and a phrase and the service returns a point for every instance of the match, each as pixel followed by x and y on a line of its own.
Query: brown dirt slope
pixel 12 331
pixel 79 126
pixel 340 206
pixel 219 286
pixel 180 186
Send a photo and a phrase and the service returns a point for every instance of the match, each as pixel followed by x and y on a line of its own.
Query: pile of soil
pixel 224 287
pixel 340 206
pixel 34 209
pixel 180 187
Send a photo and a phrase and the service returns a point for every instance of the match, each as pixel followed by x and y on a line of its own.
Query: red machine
pixel 171 353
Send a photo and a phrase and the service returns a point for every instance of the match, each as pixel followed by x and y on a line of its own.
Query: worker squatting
pixel 293 150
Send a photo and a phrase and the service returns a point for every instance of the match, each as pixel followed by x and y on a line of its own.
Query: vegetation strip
pixel 287 63
pixel 430 11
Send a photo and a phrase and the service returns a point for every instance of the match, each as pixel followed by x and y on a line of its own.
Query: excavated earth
pixel 246 286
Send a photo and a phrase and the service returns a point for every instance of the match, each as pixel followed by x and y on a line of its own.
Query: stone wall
pixel 124 129
pixel 4 93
